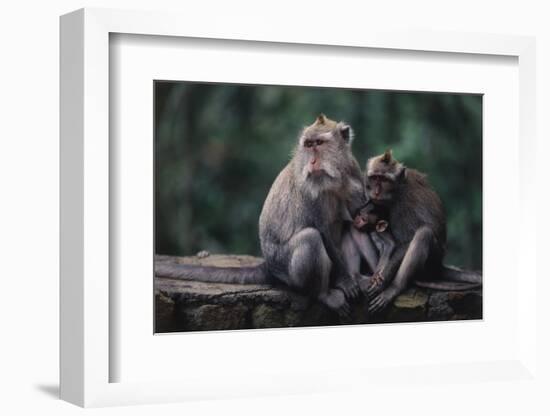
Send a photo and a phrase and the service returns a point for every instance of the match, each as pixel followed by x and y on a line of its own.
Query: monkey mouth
pixel 317 173
pixel 379 200
pixel 315 170
pixel 320 178
pixel 359 223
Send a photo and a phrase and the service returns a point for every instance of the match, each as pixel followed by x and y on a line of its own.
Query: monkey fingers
pixel 344 312
pixel 373 290
pixel 355 289
pixel 363 282
pixel 380 302
pixel 376 285
pixel 350 287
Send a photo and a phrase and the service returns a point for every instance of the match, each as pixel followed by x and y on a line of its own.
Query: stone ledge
pixel 197 306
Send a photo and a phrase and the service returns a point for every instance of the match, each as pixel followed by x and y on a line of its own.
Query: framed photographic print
pixel 219 148
pixel 236 207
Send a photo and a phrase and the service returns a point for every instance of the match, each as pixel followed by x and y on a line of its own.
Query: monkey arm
pixel 334 255
pixel 393 262
pixel 351 254
pixel 415 257
pixel 387 267
pixel 344 280
pixel 366 248
pixel 387 244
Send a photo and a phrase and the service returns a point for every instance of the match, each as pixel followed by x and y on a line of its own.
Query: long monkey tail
pixel 453 278
pixel 211 274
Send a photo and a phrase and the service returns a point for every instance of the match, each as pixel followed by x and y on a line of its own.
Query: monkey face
pixel 317 148
pixel 380 188
pixel 359 221
pixel 323 154
pixel 382 177
pixel 366 219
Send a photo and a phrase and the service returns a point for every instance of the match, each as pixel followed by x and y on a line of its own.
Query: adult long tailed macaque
pixel 302 221
pixel 418 223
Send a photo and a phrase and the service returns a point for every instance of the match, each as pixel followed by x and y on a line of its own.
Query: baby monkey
pixel 373 219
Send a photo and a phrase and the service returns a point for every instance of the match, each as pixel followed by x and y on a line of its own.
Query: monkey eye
pixel 318 142
pixel 379 178
pixel 308 143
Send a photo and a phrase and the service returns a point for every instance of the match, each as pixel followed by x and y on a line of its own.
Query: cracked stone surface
pixel 197 306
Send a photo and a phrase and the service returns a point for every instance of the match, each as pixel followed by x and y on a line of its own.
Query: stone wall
pixel 196 306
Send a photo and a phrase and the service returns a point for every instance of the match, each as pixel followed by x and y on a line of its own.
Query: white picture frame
pixel 86 355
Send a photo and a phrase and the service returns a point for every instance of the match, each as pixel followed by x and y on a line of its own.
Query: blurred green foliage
pixel 219 147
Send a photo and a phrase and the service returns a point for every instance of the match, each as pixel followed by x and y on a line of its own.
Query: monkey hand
pixel 336 301
pixel 349 286
pixel 376 285
pixel 382 300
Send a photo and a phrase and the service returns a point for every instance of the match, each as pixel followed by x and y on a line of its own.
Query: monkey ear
pixel 381 226
pixel 387 156
pixel 400 172
pixel 321 118
pixel 345 132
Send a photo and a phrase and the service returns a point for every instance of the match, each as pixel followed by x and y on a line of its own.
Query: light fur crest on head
pixel 387 157
pixel 385 165
pixel 323 124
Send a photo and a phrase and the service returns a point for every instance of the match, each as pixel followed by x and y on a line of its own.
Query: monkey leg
pixel 380 279
pixel 415 258
pixel 359 244
pixel 351 254
pixel 356 244
pixel 366 247
pixel 309 271
pixel 388 272
pixel 343 280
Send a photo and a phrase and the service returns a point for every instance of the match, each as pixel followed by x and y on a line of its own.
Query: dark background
pixel 219 147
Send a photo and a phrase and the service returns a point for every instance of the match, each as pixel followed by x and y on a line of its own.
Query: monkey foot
pixel 381 301
pixel 350 287
pixel 336 301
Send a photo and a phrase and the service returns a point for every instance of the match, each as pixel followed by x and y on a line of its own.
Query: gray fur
pixel 243 275
pixel 419 225
pixel 419 205
pixel 311 208
pixel 302 221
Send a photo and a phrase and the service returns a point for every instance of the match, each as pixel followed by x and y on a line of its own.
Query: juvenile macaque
pixel 301 223
pixel 373 219
pixel 418 224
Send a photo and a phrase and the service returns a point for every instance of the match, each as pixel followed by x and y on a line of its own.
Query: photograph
pixel 291 206
pixel 247 208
